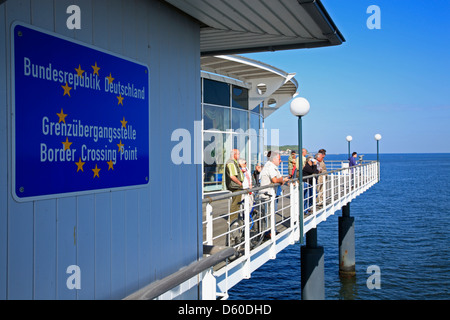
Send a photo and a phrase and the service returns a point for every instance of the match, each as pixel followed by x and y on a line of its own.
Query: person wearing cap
pixel 320 157
pixel 309 169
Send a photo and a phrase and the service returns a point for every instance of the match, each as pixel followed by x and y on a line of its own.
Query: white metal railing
pixel 269 223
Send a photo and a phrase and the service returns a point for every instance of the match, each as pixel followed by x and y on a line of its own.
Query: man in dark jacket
pixel 351 163
pixel 309 169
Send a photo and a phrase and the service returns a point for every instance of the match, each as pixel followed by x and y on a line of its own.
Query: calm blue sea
pixel 402 225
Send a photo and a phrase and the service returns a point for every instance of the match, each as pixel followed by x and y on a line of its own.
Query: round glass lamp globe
pixel 378 136
pixel 299 107
pixel 349 138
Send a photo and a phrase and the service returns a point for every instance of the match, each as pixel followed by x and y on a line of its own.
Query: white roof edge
pixel 261 65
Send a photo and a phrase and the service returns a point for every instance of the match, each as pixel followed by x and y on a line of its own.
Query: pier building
pixel 138 224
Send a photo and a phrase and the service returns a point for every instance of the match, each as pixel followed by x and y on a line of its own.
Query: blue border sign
pixel 80 117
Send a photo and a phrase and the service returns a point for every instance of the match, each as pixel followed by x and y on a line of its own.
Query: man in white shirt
pixel 270 173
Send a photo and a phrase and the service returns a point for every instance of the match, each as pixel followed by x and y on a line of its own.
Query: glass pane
pixel 241 142
pixel 239 120
pixel 216 92
pixel 254 122
pixel 254 152
pixel 257 108
pixel 216 118
pixel 214 160
pixel 240 98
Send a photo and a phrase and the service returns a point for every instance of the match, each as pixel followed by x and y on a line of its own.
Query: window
pixel 215 92
pixel 239 120
pixel 255 122
pixel 214 157
pixel 240 98
pixel 216 118
pixel 228 124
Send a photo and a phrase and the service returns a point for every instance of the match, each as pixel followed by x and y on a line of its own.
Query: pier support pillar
pixel 346 243
pixel 312 268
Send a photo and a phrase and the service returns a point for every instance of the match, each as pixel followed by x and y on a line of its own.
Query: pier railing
pixel 269 221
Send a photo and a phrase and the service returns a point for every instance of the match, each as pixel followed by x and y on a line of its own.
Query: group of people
pixel 238 177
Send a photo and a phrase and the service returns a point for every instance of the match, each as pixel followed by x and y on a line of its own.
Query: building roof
pixel 240 26
pixel 267 84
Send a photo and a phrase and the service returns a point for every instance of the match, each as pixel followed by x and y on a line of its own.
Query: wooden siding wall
pixel 121 240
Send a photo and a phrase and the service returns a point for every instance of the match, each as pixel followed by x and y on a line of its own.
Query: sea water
pixel 402 227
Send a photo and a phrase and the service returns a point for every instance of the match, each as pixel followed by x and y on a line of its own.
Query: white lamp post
pixel 299 108
pixel 349 138
pixel 378 138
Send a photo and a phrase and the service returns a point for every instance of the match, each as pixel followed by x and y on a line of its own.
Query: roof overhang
pixel 267 84
pixel 242 26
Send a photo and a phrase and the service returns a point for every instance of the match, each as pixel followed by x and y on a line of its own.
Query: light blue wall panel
pixel 45 212
pixel 121 240
pixel 66 229
pixel 102 245
pixel 131 241
pixel 20 264
pixel 86 246
pixel 45 250
pixel 3 161
pixel 118 262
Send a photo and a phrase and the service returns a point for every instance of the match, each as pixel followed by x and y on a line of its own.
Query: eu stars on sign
pixel 80 117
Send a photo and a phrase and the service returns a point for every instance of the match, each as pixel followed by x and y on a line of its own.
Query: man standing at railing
pixel 352 160
pixel 233 181
pixel 351 163
pixel 270 174
pixel 320 157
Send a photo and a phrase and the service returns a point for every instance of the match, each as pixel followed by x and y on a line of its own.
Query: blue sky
pixel 394 81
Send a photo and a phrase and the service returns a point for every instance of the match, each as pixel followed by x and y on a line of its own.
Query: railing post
pixel 314 187
pixel 294 214
pixel 374 172
pixel 365 177
pixel 247 235
pixel 357 176
pixel 339 187
pixel 332 189
pixel 209 285
pixel 371 173
pixel 209 224
pixel 345 183
pixel 324 188
pixel 360 178
pixel 272 225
